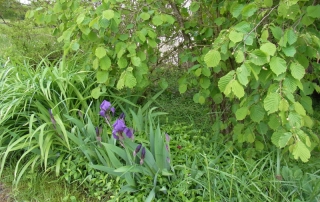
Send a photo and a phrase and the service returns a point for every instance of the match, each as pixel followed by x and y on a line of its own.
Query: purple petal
pixel 102 113
pixel 113 110
pixel 137 149
pixel 115 136
pixel 167 137
pixel 105 105
pixel 119 126
pixel 122 115
pixel 128 132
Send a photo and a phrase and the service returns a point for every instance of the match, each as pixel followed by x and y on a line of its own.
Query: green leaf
pixel 284 139
pixel 105 63
pixel 152 43
pixel 205 82
pixel 136 61
pixel 157 20
pixel 95 93
pixel 268 48
pixel 206 71
pixel 297 70
pixel 299 109
pixel 235 36
pixel 295 120
pixel 108 14
pixel 258 57
pixel 283 105
pixel 290 84
pixel 145 16
pixel 223 81
pixel 313 11
pixel 102 76
pixel 239 56
pixel 289 51
pixel 212 58
pixel 194 6
pixel 241 113
pixel 217 98
pixel 249 10
pixel 237 89
pixel 278 65
pixel 100 52
pixel 202 99
pixel 274 122
pixel 275 138
pixel 80 18
pixel 183 88
pixel 276 32
pixel 127 79
pixel 268 3
pixel 291 36
pixel 300 150
pixel 236 9
pixel 257 113
pixel 242 74
pixel 306 102
pixel 122 62
pixel 271 102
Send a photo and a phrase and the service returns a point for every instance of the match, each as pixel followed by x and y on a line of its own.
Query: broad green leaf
pixel 306 102
pixel 313 11
pixel 268 48
pixel 95 93
pixel 136 61
pixel 183 88
pixel 268 3
pixel 80 18
pixel 284 139
pixel 95 63
pixel 108 14
pixel 295 120
pixel 243 27
pixel 122 62
pixel 217 98
pixel 276 32
pixel 290 84
pixel 300 150
pixel 275 138
pixel 205 71
pixel 157 20
pixel 299 109
pixel 235 36
pixel 202 99
pixel 249 10
pixel 100 52
pixel 197 73
pixel 271 102
pixel 205 82
pixel 145 16
pixel 241 113
pixel 212 58
pixel 258 145
pixel 239 56
pixel 289 51
pixel 237 89
pixel 105 63
pixel 278 65
pixel 102 76
pixel 127 79
pixel 223 81
pixel 236 9
pixel 194 6
pixel 242 74
pixel 257 113
pixel 308 122
pixel 258 57
pixel 274 122
pixel 291 36
pixel 283 105
pixel 297 70
pixel 152 43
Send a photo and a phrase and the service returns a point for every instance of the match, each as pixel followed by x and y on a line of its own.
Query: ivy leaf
pixel 212 58
pixel 271 102
pixel 100 52
pixel 235 36
pixel 278 65
pixel 241 113
pixel 257 113
pixel 237 89
pixel 145 16
pixel 223 81
pixel 300 150
pixel 284 139
pixel 268 48
pixel 297 70
pixel 108 14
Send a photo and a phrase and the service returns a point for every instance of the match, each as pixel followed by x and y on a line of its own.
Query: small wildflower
pixel 137 150
pixel 143 154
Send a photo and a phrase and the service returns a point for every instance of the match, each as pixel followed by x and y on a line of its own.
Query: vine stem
pixel 245 38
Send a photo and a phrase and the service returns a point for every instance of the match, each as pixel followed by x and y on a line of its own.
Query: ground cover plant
pixel 164 101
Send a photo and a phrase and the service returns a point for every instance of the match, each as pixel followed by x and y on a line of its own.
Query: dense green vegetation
pixel 93 108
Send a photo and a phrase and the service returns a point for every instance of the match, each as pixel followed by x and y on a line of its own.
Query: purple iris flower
pixel 143 154
pixel 137 149
pixel 118 128
pixel 106 106
pixel 128 132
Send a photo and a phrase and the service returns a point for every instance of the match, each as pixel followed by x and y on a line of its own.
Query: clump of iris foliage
pixel 119 151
